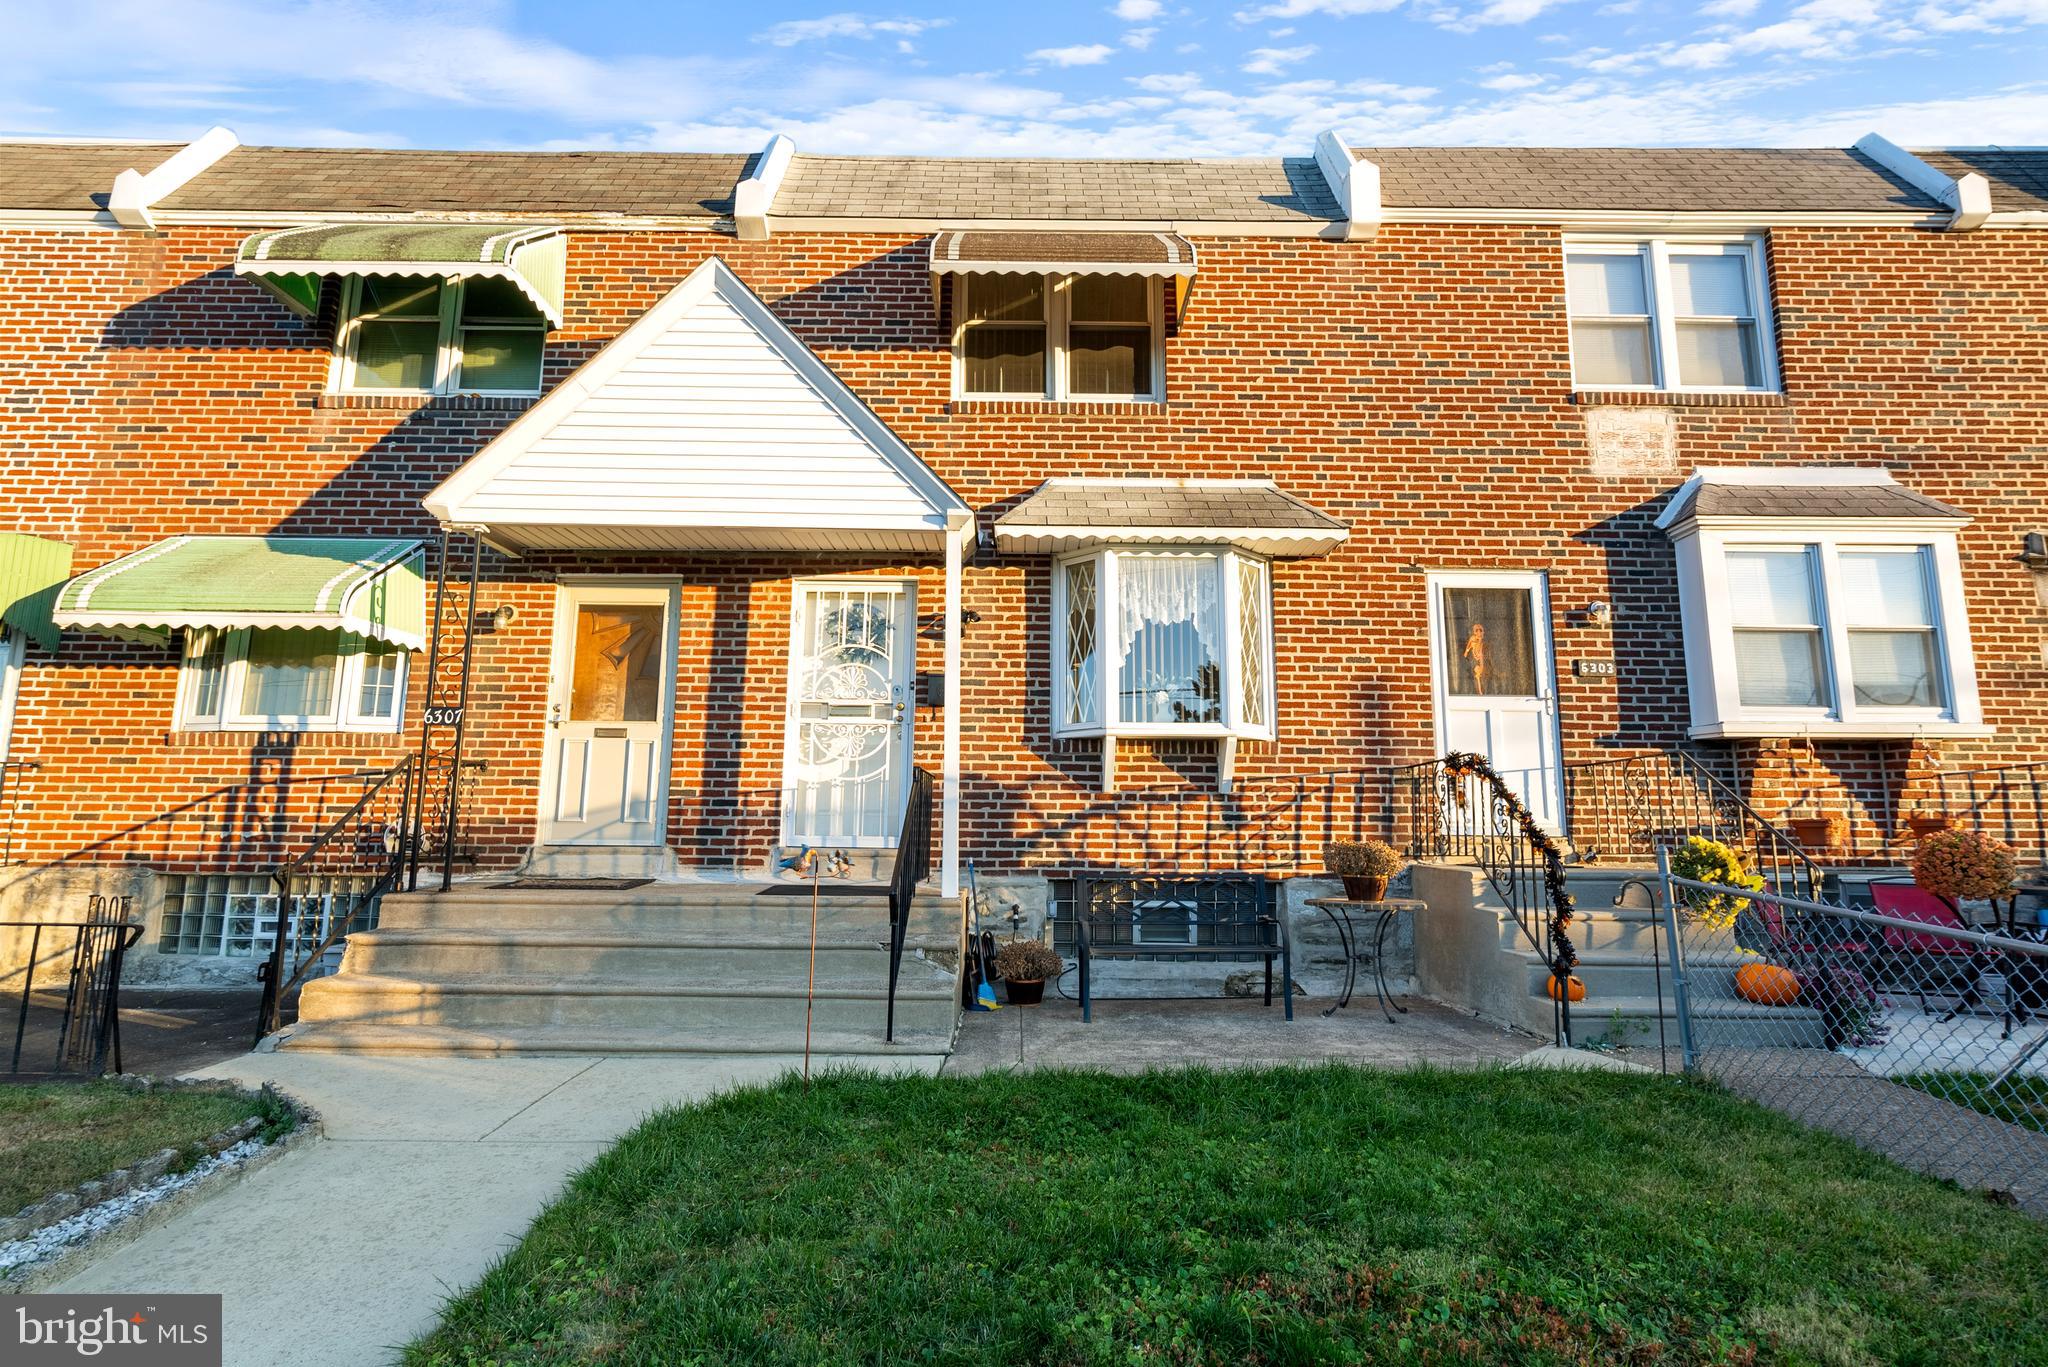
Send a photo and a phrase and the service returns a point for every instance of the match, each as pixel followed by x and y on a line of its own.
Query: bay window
pixel 1059 337
pixel 424 335
pixel 1162 643
pixel 290 679
pixel 1669 314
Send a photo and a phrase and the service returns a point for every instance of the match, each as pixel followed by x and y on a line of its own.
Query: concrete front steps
pixel 1472 953
pixel 662 968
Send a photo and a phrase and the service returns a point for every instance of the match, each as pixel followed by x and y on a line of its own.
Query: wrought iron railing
pixel 1457 807
pixel 913 866
pixel 445 806
pixel 355 861
pixel 87 1024
pixel 1638 804
pixel 12 783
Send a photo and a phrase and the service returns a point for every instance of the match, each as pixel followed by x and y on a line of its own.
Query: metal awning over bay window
pixel 369 587
pixel 1162 603
pixel 292 263
pixel 1821 603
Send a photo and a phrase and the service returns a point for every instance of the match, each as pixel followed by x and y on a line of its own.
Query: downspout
pixel 1967 197
pixel 134 194
pixel 753 199
pixel 1355 182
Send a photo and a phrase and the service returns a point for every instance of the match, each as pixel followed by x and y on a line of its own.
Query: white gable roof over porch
pixel 707 425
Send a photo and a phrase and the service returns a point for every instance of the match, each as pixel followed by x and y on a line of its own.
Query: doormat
pixel 825 890
pixel 579 884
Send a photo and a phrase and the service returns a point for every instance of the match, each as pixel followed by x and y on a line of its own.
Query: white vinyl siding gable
pixel 709 424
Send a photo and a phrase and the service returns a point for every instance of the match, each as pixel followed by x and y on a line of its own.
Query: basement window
pixel 427 336
pixel 279 679
pixel 1163 643
pixel 234 916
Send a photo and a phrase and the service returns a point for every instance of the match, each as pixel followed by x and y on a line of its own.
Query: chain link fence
pixel 1907 1027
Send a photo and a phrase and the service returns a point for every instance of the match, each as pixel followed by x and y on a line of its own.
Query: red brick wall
pixel 1416 386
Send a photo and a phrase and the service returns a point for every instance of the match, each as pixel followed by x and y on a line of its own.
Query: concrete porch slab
pixel 1131 1036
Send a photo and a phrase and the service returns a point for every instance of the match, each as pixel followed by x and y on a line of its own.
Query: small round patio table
pixel 1348 915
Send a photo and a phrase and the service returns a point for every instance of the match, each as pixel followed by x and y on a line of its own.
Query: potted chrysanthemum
pixel 1024 965
pixel 1364 865
pixel 1963 865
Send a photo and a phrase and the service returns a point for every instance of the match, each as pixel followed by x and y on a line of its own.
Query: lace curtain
pixel 1169 625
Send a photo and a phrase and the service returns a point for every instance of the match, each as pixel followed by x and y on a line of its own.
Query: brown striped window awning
pixel 974 252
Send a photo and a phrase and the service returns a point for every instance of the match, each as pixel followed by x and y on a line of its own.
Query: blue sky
pixel 1046 77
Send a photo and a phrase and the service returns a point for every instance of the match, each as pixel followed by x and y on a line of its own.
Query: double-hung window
pixel 1085 338
pixel 1670 314
pixel 415 335
pixel 1162 643
pixel 279 679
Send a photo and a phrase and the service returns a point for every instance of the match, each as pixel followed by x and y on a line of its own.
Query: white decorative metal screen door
pixel 608 716
pixel 850 663
pixel 1496 691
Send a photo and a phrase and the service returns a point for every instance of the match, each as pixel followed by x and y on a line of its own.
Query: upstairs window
pixel 1081 337
pixel 1163 643
pixel 406 335
pixel 1669 314
pixel 277 679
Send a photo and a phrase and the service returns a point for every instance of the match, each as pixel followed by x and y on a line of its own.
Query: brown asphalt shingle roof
pixel 1656 179
pixel 368 180
pixel 55 175
pixel 1273 189
pixel 1160 504
pixel 1808 501
pixel 2018 176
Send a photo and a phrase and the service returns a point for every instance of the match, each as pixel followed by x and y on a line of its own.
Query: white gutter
pixel 1968 197
pixel 1354 181
pixel 135 193
pixel 753 199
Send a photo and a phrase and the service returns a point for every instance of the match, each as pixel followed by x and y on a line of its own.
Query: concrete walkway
pixel 343 1251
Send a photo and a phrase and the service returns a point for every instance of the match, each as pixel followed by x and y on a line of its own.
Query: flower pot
pixel 1924 826
pixel 1819 832
pixel 1362 889
pixel 1024 991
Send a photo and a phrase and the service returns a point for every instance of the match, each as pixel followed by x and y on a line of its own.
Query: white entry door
pixel 604 781
pixel 851 658
pixel 1496 686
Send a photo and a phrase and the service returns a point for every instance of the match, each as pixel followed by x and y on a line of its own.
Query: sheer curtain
pixel 1170 630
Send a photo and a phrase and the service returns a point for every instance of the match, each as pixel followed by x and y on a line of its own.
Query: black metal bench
pixel 1217 917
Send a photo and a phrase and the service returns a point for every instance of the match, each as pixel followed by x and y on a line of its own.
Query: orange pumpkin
pixel 1575 987
pixel 1767 984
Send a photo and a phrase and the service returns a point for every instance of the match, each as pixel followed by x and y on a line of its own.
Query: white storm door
pixel 605 777
pixel 1496 687
pixel 847 763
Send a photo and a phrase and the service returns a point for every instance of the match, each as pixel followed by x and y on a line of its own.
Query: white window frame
pixel 1058 330
pixel 1716 703
pixel 344 715
pixel 341 377
pixel 1107 716
pixel 1656 254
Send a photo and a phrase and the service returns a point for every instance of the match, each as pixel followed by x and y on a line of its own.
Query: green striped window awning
pixel 292 262
pixel 32 570
pixel 374 587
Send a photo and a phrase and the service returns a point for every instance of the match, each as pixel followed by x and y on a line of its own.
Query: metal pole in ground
pixel 1680 996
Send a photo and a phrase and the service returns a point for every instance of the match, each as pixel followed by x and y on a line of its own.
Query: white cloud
pixel 1497 13
pixel 1137 11
pixel 1080 54
pixel 1140 38
pixel 1513 81
pixel 1271 61
pixel 1297 9
pixel 1730 9
pixel 790 32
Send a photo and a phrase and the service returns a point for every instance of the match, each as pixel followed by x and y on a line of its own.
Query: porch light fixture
pixel 2034 551
pixel 1600 613
pixel 503 616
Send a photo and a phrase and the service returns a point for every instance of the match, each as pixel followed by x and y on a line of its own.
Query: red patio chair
pixel 1923 954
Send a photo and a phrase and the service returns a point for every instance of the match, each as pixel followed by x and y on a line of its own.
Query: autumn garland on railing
pixel 1564 958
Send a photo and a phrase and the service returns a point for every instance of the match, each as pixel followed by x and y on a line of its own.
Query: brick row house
pixel 1161 511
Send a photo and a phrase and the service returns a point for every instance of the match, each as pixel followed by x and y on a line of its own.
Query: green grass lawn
pixel 1330 1215
pixel 2020 1101
pixel 55 1135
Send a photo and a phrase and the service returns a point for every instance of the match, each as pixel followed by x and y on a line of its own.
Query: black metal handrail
pixel 368 841
pixel 11 774
pixel 1459 808
pixel 90 1025
pixel 1638 804
pixel 913 866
